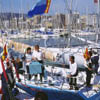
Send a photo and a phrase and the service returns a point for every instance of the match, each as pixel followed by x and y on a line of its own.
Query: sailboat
pixel 56 86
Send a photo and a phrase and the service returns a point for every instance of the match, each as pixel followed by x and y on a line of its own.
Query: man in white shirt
pixel 73 71
pixel 28 59
pixel 38 56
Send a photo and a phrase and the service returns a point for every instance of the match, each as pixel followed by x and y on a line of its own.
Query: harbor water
pixel 59 42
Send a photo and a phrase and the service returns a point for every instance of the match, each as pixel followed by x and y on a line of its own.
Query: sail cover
pixel 41 7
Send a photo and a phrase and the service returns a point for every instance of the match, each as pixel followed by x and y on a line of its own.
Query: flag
pixel 40 8
pixel 5 76
pixel 48 6
pixel 86 54
pixel 95 1
pixel 5 52
pixel 2 69
pixel 4 55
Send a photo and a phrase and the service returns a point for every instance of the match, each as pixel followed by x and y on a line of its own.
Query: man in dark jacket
pixel 7 86
pixel 95 62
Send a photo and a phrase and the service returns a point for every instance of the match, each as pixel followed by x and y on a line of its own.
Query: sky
pixel 57 6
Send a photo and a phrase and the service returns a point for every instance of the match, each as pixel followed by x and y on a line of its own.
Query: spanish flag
pixel 4 55
pixel 41 7
pixel 48 6
pixel 86 54
pixel 5 52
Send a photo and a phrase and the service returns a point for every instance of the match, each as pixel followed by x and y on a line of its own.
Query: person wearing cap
pixel 73 72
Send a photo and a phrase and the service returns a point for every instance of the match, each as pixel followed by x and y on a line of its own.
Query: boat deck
pixel 63 86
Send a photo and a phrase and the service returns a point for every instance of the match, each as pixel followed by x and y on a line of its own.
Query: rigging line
pixel 67 5
pixel 84 40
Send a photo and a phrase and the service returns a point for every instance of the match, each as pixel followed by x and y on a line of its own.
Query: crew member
pixel 6 87
pixel 89 69
pixel 73 72
pixel 28 59
pixel 95 61
pixel 38 56
pixel 16 68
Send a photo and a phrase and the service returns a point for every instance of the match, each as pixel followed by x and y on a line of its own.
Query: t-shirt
pixel 37 55
pixel 73 68
pixel 28 58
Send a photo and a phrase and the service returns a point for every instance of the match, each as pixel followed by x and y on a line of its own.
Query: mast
pixel 98 21
pixel 98 13
pixel 70 23
pixel 21 17
pixel 0 15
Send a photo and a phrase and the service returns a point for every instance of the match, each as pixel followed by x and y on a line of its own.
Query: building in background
pixel 57 21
